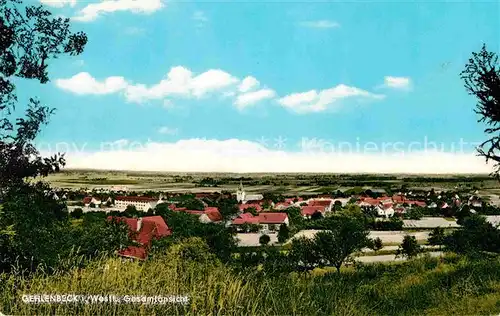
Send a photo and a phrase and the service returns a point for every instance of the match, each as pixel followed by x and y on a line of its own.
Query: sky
pixel 268 86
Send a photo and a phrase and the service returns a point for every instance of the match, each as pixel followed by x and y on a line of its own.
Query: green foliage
pixel 283 233
pixel 437 236
pixel 131 211
pixel 264 240
pixel 482 77
pixel 37 223
pixel 414 213
pixel 100 237
pixel 228 207
pixel 345 236
pixel 251 210
pixel 377 244
pixel 192 204
pixel 303 254
pixel 77 213
pixel 219 238
pixel 294 215
pixel 474 237
pixel 409 247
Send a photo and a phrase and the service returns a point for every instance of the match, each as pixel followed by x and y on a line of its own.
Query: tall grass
pixel 450 285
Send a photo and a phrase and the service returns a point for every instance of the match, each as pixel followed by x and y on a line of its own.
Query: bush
pixel 77 213
pixel 264 240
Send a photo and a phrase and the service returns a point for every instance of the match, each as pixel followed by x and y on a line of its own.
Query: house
pixel 385 210
pixel 272 221
pixel 244 198
pixel 267 221
pixel 308 211
pixel 143 231
pixel 211 215
pixel 141 203
pixel 91 200
pixel 326 203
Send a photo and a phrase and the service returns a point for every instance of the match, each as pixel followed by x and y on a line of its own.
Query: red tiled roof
pixel 135 199
pixel 272 218
pixel 245 206
pixel 320 203
pixel 87 199
pixel 194 212
pixel 211 209
pixel 246 218
pixel 152 227
pixel 310 210
pixel 214 215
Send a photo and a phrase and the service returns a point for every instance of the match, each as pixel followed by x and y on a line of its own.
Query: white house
pixel 385 211
pixel 141 203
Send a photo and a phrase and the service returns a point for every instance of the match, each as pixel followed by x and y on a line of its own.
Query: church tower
pixel 240 193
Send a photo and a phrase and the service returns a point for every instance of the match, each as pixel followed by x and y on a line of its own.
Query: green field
pixel 279 183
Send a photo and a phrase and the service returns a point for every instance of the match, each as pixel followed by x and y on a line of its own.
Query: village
pixel 413 212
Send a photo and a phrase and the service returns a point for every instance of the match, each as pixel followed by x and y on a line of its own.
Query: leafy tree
pixel 437 236
pixel 303 255
pixel 283 233
pixel 228 208
pixel 414 213
pixel 251 210
pixel 254 228
pixel 77 213
pixel 337 206
pixel 377 244
pixel 475 237
pixel 264 240
pixel 482 80
pixel 131 211
pixel 346 236
pixel 294 215
pixel 101 237
pixel 316 215
pixel 219 238
pixel 192 204
pixel 409 247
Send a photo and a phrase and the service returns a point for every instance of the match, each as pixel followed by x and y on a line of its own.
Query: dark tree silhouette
pixel 28 40
pixel 30 218
pixel 482 80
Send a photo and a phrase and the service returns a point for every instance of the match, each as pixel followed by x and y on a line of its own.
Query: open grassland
pixel 278 183
pixel 427 286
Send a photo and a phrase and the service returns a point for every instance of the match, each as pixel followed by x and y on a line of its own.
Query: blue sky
pixel 346 71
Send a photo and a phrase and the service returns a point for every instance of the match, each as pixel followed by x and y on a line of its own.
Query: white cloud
pixel 249 98
pixel 58 3
pixel 181 82
pixel 320 24
pixel 94 10
pixel 168 130
pixel 314 101
pixel 84 83
pixel 397 82
pixel 235 155
pixel 248 84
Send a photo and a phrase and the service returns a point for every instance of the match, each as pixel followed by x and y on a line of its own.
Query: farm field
pixel 288 184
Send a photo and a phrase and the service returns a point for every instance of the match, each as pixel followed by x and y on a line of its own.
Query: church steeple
pixel 240 193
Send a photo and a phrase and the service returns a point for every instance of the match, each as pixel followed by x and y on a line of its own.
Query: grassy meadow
pixel 427 286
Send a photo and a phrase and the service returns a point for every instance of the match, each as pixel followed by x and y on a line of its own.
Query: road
pixel 391 258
